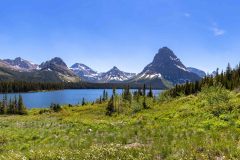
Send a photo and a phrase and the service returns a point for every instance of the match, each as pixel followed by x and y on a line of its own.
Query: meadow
pixel 201 126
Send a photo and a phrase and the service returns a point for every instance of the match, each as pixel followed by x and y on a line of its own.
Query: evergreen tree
pixel 145 103
pixel 144 90
pixel 140 92
pixel 5 104
pixel 110 107
pixel 229 79
pixel 15 105
pixel 100 99
pixel 83 102
pixel 127 94
pixel 10 109
pixel 21 108
pixel 150 93
pixel 228 72
pixel 104 95
pixel 2 108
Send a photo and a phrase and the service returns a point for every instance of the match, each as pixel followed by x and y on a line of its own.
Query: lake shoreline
pixel 45 98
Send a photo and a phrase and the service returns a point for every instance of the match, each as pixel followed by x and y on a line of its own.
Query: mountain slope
pixel 84 72
pixel 167 69
pixel 7 74
pixel 58 66
pixel 198 72
pixel 21 64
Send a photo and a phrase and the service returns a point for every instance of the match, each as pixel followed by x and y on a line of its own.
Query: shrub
pixel 215 95
pixel 55 107
pixel 44 111
pixel 216 100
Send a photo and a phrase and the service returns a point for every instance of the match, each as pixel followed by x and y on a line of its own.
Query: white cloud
pixel 218 31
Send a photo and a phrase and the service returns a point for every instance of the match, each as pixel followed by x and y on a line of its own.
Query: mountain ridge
pixel 165 70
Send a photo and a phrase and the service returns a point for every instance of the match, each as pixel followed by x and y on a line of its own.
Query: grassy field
pixel 204 126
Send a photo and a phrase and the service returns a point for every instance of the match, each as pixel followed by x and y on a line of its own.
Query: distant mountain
pixel 198 72
pixel 9 74
pixel 5 64
pixel 88 74
pixel 167 69
pixel 20 64
pixel 84 72
pixel 164 71
pixel 58 66
pixel 115 75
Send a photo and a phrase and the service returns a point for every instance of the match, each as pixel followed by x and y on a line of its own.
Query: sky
pixel 124 33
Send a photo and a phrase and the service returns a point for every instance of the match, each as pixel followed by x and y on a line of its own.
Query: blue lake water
pixel 69 96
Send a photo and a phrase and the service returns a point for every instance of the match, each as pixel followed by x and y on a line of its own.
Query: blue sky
pixel 126 33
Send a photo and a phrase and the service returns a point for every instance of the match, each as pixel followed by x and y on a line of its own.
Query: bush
pixel 215 95
pixel 55 107
pixel 216 100
pixel 42 111
pixel 136 107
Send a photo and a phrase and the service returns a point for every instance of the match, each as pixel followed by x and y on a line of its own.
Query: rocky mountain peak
pixel 21 64
pixel 166 65
pixel 58 61
pixel 166 57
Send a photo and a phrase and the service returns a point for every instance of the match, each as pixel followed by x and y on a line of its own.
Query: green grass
pixel 204 126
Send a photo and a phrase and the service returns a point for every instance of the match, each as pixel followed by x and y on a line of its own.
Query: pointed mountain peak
pixel 18 58
pixel 58 61
pixel 165 54
pixel 79 67
pixel 114 68
pixel 169 66
pixel 165 49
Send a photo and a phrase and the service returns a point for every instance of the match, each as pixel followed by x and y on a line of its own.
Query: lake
pixel 68 96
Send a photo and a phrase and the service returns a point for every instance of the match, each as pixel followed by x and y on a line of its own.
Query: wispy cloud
pixel 187 15
pixel 218 31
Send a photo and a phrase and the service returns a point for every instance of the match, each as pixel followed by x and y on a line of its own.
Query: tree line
pixel 17 87
pixel 12 106
pixel 23 86
pixel 230 79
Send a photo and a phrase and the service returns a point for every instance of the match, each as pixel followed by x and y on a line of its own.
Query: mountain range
pixel 164 71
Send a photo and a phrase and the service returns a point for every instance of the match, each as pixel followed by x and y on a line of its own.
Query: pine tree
pixel 5 104
pixel 21 108
pixel 15 103
pixel 144 90
pixel 110 107
pixel 150 93
pixel 10 109
pixel 145 103
pixel 83 102
pixel 104 95
pixel 1 108
pixel 228 72
pixel 127 94
pixel 140 92
pixel 100 99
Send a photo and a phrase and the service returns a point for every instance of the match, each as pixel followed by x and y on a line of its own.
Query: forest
pixel 230 79
pixel 12 106
pixel 23 86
